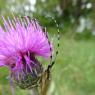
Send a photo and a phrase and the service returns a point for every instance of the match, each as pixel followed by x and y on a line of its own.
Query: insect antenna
pixel 52 56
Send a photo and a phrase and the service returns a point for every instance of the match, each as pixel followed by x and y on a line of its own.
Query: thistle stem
pixel 45 84
pixel 42 90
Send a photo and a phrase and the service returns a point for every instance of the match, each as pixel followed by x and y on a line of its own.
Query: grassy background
pixel 73 73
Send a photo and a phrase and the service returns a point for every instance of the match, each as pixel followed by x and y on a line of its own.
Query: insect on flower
pixel 21 41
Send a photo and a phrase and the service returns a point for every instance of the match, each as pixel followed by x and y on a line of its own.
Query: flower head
pixel 21 40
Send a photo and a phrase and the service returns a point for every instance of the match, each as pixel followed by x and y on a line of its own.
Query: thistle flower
pixel 21 41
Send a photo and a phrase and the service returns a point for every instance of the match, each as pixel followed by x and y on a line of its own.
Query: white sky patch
pixel 32 8
pixel 26 8
pixel 89 5
pixel 32 5
pixel 32 2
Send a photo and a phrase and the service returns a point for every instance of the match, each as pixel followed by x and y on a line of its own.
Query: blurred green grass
pixel 73 73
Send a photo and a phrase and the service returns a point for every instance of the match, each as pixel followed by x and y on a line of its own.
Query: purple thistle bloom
pixel 21 40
